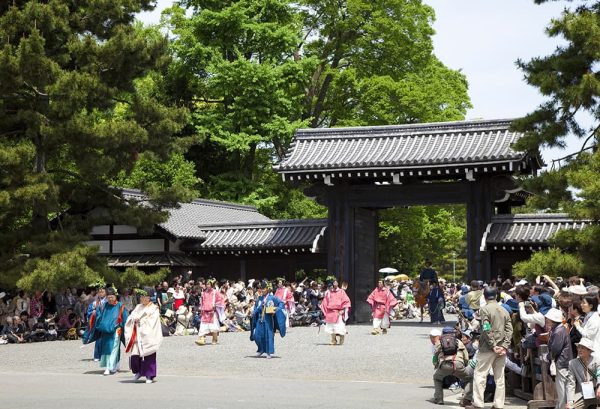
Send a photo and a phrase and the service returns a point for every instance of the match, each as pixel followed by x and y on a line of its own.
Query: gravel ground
pixel 368 371
pixel 403 355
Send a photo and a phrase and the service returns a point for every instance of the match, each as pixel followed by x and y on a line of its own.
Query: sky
pixel 484 39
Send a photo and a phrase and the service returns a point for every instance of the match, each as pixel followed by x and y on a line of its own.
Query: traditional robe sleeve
pixel 371 299
pixel 129 326
pixel 325 303
pixel 346 304
pixel 220 307
pixel 279 316
pixel 290 302
pixel 391 302
pixel 254 318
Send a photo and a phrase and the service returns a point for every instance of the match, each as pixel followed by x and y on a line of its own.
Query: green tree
pixel 76 111
pixel 410 235
pixel 570 79
pixel 376 66
pixel 552 262
pixel 253 71
pixel 150 174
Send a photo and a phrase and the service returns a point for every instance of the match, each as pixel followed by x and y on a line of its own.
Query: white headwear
pixel 578 290
pixel 586 342
pixel 554 314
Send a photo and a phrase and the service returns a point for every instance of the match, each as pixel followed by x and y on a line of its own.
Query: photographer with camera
pixel 451 357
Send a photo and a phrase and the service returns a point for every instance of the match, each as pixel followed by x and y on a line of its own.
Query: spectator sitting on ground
pixel 16 332
pixel 25 320
pixel 39 331
pixel 6 328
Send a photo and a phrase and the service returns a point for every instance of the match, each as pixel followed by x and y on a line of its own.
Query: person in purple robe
pixel 143 336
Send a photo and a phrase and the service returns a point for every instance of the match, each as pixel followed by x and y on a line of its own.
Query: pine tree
pixel 75 112
pixel 570 79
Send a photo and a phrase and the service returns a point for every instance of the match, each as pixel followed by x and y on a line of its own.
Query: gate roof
pixel 435 149
pixel 527 231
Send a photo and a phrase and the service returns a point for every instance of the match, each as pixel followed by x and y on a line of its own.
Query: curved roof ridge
pixel 429 127
pixel 265 224
pixel 219 203
pixel 482 145
pixel 199 200
pixel 522 217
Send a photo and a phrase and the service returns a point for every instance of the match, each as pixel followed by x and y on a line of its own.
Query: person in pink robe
pixel 336 307
pixel 285 294
pixel 382 302
pixel 212 309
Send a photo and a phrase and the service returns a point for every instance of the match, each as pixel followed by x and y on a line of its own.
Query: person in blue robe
pixel 268 316
pixel 436 304
pixel 110 324
pixel 90 316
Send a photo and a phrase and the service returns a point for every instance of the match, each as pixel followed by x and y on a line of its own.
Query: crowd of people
pixel 44 316
pixel 503 325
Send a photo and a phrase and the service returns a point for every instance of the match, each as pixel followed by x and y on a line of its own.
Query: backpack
pixel 449 344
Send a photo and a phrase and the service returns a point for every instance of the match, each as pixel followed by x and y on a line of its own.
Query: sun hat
pixel 578 290
pixel 586 342
pixel 171 290
pixel 511 306
pixel 435 333
pixel 543 303
pixel 554 314
pixel 522 282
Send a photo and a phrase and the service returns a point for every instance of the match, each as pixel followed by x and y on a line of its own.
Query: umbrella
pixel 388 270
pixel 400 277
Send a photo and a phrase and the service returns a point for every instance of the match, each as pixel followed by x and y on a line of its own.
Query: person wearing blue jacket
pixel 267 317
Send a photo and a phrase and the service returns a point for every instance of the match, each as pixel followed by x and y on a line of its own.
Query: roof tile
pixel 530 229
pixel 401 146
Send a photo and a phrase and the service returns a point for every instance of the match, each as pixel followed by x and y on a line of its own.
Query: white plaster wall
pixel 138 246
pixel 103 229
pixel 123 229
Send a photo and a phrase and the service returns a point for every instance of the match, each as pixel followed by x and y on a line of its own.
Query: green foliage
pixel 133 277
pixel 409 236
pixel 80 101
pixel 70 268
pixel 569 78
pixel 375 65
pixel 151 174
pixel 552 262
pixel 253 71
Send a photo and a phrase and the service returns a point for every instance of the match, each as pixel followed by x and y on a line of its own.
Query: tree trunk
pixel 39 217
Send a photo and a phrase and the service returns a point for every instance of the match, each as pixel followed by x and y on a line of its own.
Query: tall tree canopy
pixel 253 71
pixel 75 112
pixel 570 79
